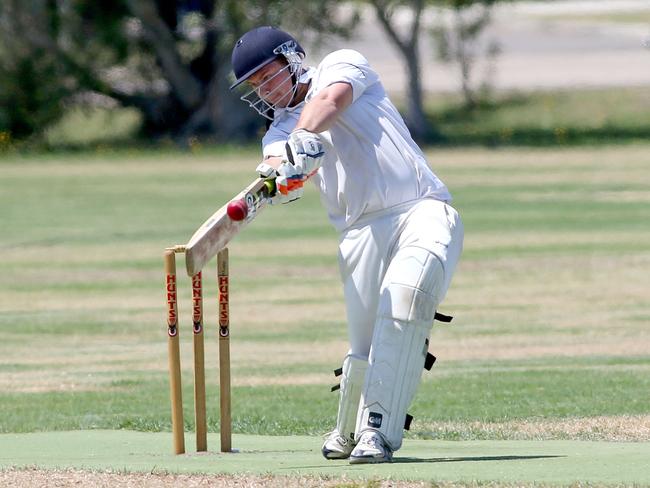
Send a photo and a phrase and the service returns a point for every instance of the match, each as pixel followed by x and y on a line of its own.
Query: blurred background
pixel 88 73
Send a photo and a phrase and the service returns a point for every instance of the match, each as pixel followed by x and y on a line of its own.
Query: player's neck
pixel 301 93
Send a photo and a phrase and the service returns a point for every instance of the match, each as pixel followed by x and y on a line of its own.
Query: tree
pixel 168 58
pixel 405 36
pixel 458 42
pixel 408 46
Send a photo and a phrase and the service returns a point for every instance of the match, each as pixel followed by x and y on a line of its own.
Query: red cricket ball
pixel 237 210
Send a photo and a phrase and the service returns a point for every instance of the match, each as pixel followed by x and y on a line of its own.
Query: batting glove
pixel 305 150
pixel 288 181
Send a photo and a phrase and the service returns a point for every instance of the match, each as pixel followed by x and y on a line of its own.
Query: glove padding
pixel 288 182
pixel 304 156
pixel 305 150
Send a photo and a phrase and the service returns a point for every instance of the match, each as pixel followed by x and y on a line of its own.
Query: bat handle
pixel 269 188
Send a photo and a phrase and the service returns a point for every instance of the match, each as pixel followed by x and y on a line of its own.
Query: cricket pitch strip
pixel 548 462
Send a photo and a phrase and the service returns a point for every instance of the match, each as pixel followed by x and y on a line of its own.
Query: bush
pixel 31 94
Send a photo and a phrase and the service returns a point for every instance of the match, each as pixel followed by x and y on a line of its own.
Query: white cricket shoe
pixel 371 448
pixel 337 446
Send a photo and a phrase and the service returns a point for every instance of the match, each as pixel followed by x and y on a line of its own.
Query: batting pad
pixel 409 297
pixel 354 373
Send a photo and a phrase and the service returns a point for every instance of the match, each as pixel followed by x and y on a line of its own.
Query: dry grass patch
pixel 99 361
pixel 522 239
pixel 583 196
pixel 284 317
pixel 594 293
pixel 45 254
pixel 622 428
pixel 260 354
pixel 96 362
pixel 106 305
pixel 285 380
pixel 534 167
pixel 38 478
pixel 531 347
pixel 136 164
pixel 539 158
pixel 289 248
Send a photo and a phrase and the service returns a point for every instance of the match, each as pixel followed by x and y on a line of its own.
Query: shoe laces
pixel 341 439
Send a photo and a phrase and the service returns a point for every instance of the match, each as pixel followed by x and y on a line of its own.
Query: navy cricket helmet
pixel 257 48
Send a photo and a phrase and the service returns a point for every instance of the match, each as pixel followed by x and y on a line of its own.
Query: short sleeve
pixel 275 139
pixel 344 66
pixel 273 148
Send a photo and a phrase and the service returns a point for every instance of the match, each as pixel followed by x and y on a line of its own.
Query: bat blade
pixel 219 229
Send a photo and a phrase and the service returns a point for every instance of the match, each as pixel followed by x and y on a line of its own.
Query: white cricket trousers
pixel 367 250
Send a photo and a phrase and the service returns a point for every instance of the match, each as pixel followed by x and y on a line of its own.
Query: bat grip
pixel 269 188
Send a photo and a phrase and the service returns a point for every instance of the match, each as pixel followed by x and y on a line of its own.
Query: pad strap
pixel 442 318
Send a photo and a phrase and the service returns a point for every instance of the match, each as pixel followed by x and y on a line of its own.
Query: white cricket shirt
pixel 373 164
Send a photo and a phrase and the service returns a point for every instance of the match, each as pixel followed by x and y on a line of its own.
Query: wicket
pixel 173 346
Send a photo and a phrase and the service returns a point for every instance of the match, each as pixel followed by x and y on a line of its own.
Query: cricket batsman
pixel 400 239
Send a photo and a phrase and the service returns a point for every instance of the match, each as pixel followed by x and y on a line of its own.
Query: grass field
pixel 630 17
pixel 546 118
pixel 550 340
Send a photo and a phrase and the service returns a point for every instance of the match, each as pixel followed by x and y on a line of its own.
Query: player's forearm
pixel 318 115
pixel 321 112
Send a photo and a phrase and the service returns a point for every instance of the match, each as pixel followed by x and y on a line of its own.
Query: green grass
pixel 88 126
pixel 460 392
pixel 550 298
pixel 545 118
pixel 549 340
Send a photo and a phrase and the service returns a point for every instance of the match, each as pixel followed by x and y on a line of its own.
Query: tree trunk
pixel 415 117
pixel 465 60
pixel 186 88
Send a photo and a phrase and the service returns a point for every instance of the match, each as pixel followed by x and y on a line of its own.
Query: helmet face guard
pixel 254 97
pixel 255 50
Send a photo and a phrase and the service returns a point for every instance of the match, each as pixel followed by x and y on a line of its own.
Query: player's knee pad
pixel 354 373
pixel 399 346
pixel 412 286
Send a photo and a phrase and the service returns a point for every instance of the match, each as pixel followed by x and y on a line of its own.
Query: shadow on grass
pixel 507 122
pixel 539 137
pixel 462 113
pixel 471 459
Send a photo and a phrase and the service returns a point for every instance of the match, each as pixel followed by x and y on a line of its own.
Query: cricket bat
pixel 216 232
